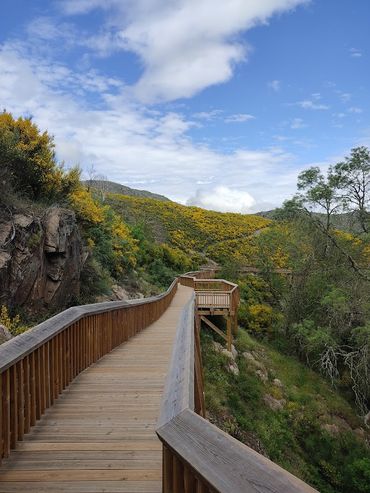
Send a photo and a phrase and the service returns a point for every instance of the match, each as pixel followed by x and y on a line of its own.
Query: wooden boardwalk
pixel 99 435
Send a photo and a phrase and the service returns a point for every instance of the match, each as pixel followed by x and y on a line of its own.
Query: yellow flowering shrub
pixel 13 324
pixel 261 318
pixel 28 162
pixel 217 235
pixel 86 207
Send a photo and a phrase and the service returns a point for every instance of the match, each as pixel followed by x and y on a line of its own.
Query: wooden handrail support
pixel 215 297
pixel 35 367
pixel 198 456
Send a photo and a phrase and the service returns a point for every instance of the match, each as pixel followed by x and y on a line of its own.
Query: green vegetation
pixel 220 236
pixel 13 324
pixel 309 432
pixel 28 164
pixel 311 319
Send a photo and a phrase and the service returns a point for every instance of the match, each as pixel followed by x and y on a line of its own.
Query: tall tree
pixel 353 176
pixel 319 191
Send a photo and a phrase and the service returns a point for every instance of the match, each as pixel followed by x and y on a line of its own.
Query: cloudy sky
pixel 217 103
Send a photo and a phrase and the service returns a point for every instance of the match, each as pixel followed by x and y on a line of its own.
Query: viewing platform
pixel 215 297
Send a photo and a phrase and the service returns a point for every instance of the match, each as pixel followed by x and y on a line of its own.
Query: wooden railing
pixel 37 366
pixel 197 456
pixel 212 293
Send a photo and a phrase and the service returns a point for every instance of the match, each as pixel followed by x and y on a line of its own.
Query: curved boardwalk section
pixel 99 435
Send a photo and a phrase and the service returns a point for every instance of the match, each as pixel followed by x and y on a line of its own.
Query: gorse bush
pixel 13 323
pixel 108 237
pixel 221 236
pixel 27 161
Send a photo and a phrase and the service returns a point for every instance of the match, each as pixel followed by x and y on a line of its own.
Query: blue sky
pixel 213 103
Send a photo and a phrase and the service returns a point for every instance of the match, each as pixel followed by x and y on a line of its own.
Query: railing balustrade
pixel 38 365
pixel 35 367
pixel 197 456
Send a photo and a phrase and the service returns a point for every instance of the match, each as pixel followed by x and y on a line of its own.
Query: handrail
pixel 36 366
pixel 198 456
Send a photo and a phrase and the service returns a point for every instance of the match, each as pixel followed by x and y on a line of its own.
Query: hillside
pixel 64 244
pixel 216 235
pixel 346 221
pixel 112 187
pixel 287 412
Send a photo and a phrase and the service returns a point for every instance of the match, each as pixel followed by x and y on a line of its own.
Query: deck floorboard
pixel 99 436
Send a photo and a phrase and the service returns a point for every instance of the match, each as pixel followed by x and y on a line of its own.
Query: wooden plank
pixel 189 481
pixel 228 465
pixel 13 406
pixel 101 430
pixel 16 349
pixel 21 390
pixel 6 413
pixel 179 388
pixel 27 396
pixel 178 476
pixel 82 487
pixel 1 419
pixel 213 327
pixel 81 475
pixel 97 464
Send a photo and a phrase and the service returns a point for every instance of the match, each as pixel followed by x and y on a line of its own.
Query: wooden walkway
pixel 99 435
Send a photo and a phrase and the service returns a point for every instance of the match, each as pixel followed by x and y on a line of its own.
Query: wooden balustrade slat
pixel 189 480
pixel 38 365
pixel 6 430
pixel 20 400
pixel 13 406
pixel 1 419
pixel 32 390
pixel 178 476
pixel 27 396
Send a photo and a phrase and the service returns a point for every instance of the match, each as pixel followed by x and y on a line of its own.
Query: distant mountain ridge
pixel 112 187
pixel 346 221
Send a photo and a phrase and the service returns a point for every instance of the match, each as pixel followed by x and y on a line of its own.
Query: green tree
pixel 353 177
pixel 320 191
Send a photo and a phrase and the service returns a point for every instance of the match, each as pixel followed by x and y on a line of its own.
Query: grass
pixel 294 436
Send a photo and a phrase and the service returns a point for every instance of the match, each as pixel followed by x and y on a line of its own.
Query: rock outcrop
pixel 41 258
pixel 5 334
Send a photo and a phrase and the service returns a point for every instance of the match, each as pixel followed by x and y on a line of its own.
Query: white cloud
pixel 128 143
pixel 275 85
pixel 344 96
pixel 223 199
pixel 239 118
pixel 311 105
pixel 73 7
pixel 208 115
pixel 297 123
pixel 355 109
pixel 184 45
pixel 355 53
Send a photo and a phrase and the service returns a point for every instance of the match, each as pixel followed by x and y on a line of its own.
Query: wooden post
pixel 178 476
pixel 167 465
pixel 13 406
pixel 6 413
pixel 21 389
pixel 229 333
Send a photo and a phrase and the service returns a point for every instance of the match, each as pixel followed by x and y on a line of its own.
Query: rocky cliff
pixel 41 258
